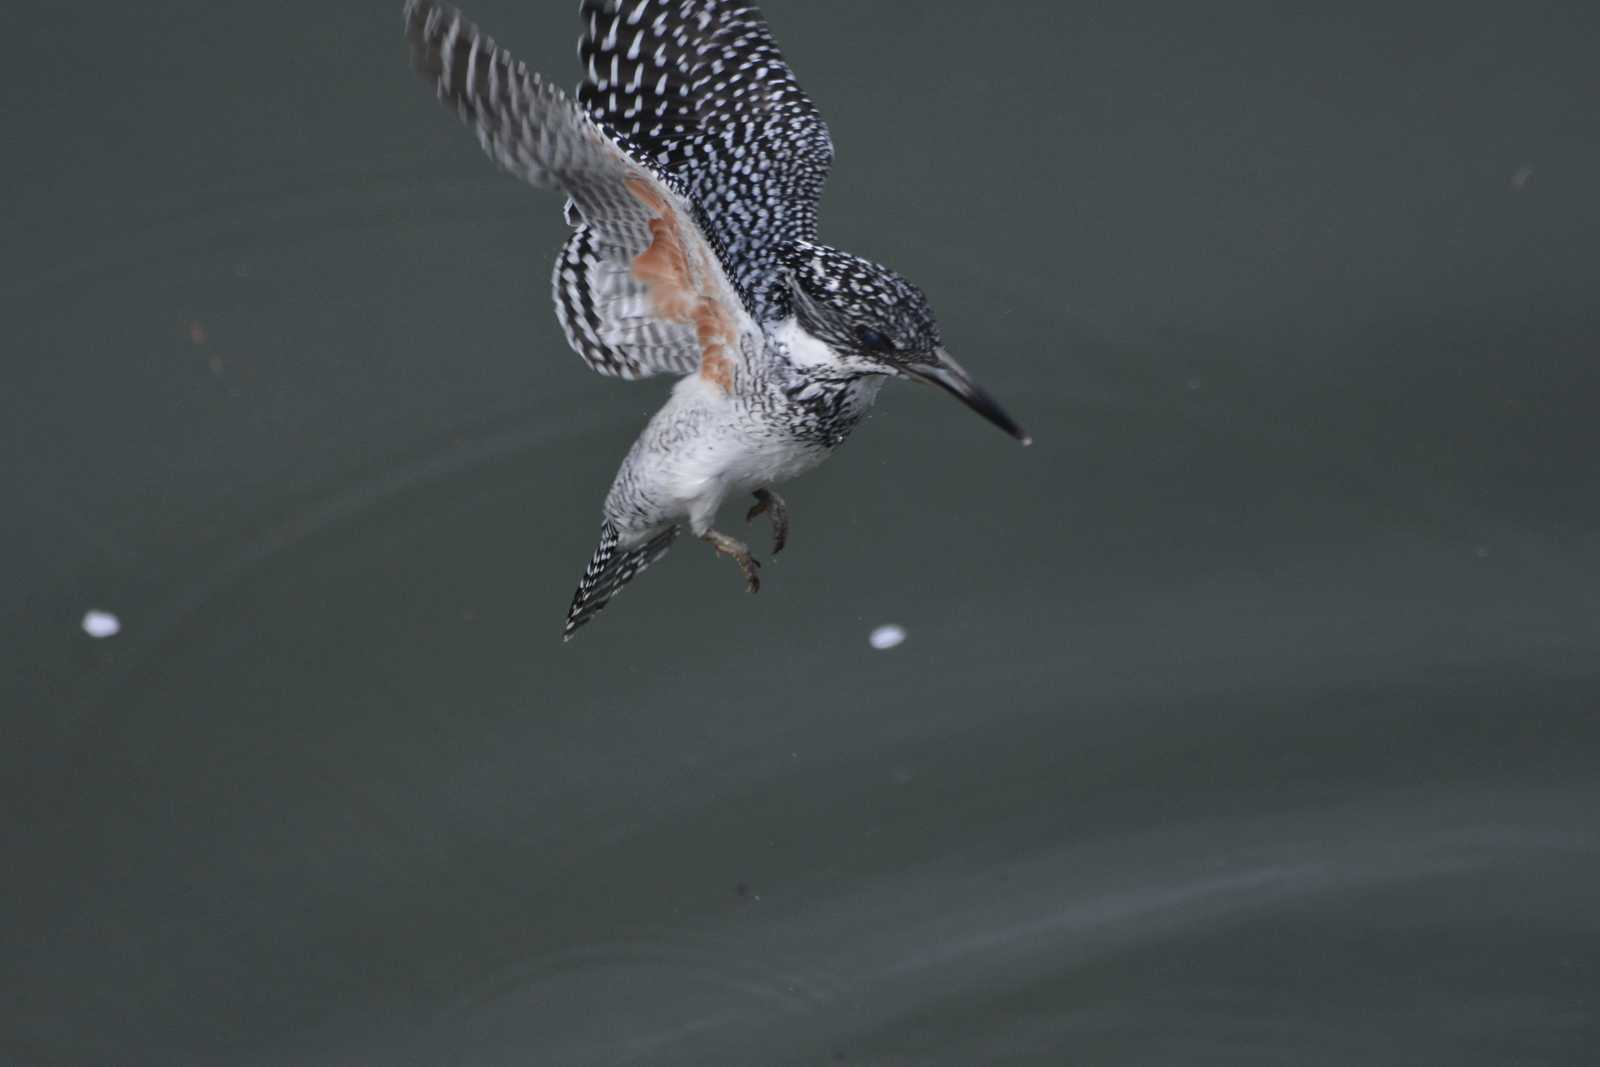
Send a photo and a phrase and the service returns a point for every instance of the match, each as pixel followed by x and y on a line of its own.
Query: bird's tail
pixel 609 571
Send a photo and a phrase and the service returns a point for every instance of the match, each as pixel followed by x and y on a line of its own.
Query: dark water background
pixel 1251 717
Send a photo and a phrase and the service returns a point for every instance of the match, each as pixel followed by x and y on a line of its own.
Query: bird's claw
pixel 770 503
pixel 739 552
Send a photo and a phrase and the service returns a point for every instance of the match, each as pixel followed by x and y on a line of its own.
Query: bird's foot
pixel 739 552
pixel 770 503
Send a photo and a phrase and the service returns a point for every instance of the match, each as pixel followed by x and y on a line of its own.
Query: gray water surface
pixel 1250 717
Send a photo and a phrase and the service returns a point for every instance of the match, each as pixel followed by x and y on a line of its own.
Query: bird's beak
pixel 947 374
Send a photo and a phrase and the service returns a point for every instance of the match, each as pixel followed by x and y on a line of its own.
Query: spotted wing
pixel 607 313
pixel 699 89
pixel 624 322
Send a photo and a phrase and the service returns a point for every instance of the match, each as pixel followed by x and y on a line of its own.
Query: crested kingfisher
pixel 692 162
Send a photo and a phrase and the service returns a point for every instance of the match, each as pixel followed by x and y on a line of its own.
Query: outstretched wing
pixel 637 290
pixel 606 311
pixel 699 89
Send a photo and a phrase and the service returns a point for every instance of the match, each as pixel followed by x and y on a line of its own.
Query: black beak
pixel 947 374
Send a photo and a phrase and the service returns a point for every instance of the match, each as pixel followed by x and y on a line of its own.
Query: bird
pixel 692 164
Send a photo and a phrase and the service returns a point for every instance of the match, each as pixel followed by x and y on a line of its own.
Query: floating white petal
pixel 887 637
pixel 101 624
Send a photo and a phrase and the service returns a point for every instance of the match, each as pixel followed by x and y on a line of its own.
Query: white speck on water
pixel 886 637
pixel 1520 180
pixel 101 624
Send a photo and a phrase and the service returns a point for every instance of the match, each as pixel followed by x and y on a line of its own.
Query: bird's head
pixel 877 322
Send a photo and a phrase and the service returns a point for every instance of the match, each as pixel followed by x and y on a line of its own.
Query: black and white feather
pixel 535 131
pixel 606 312
pixel 609 571
pixel 699 89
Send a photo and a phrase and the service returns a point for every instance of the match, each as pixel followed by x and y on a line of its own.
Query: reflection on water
pixel 903 952
pixel 1246 719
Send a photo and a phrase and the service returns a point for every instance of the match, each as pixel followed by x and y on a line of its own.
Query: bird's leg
pixel 768 502
pixel 740 553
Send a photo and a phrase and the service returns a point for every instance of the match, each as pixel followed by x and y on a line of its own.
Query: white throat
pixel 803 349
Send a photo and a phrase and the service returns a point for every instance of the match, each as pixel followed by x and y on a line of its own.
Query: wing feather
pixel 618 202
pixel 699 89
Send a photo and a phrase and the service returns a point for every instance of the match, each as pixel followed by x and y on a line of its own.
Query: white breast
pixel 706 445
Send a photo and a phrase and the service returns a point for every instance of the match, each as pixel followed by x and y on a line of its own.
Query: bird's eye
pixel 872 340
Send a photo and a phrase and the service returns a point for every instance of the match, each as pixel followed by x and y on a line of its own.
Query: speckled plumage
pixel 693 163
pixel 699 88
